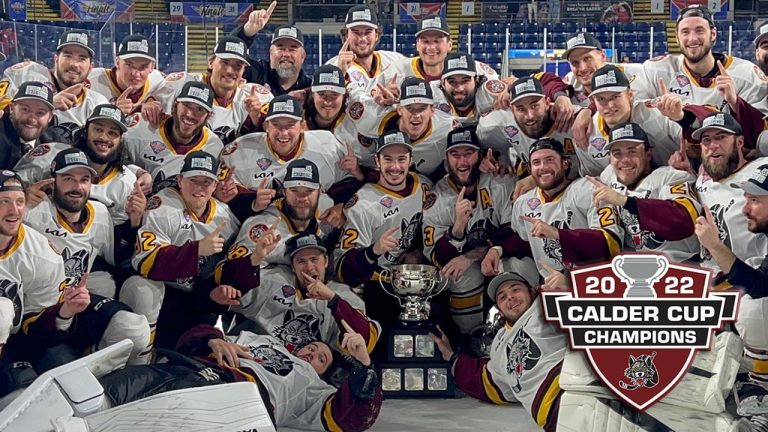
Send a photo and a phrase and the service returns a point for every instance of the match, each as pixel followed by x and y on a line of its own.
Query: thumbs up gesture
pixel 725 86
pixel 463 208
pixel 669 105
pixel 67 98
pixel 213 243
pixel 258 19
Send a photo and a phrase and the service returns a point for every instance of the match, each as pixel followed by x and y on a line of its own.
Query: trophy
pixel 640 272
pixel 414 366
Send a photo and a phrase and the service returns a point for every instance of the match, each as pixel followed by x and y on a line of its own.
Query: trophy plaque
pixel 414 366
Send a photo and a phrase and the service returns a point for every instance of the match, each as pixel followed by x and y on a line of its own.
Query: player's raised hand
pixel 316 289
pixel 355 344
pixel 225 295
pixel 136 205
pixel 75 299
pixel 264 196
pixel 669 105
pixel 679 159
pixel 463 212
pixel 266 243
pixel 563 113
pixel 554 279
pixel 387 242
pixel 582 128
pixel 489 164
pixel 334 216
pixel 490 266
pixel 383 96
pixel 213 243
pixel 443 344
pixel 67 98
pixel 707 231
pixel 541 229
pixel 258 19
pixel 604 194
pixel 226 189
pixel 346 57
pixel 350 164
pixel 152 112
pixel 725 86
pixel 124 102
pixel 38 192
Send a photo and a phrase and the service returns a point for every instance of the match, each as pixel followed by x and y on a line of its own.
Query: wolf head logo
pixel 641 372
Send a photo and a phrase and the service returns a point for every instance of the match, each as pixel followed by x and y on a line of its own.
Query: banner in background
pixel 198 12
pixel 719 8
pixel 602 11
pixel 17 10
pixel 412 12
pixel 97 10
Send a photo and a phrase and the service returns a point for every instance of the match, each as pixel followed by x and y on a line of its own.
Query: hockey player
pixel 26 123
pixel 415 116
pixel 231 99
pixel 761 48
pixel 160 151
pixel 32 277
pixel 133 78
pixel 82 230
pixel 74 100
pixel 296 304
pixel 101 140
pixel 361 62
pixel 556 221
pixel 292 389
pixel 384 224
pixel 183 236
pixel 510 374
pixel 462 92
pixel 461 214
pixel 641 191
pixel 616 104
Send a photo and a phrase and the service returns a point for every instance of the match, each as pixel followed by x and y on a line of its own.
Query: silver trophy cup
pixel 640 272
pixel 413 285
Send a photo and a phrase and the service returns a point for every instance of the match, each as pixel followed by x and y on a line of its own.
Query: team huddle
pixel 146 206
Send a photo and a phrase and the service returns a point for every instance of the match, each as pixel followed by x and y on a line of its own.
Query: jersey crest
pixel 297 330
pixel 12 291
pixel 522 355
pixel 272 360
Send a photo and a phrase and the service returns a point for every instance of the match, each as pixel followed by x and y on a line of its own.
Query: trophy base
pixel 640 292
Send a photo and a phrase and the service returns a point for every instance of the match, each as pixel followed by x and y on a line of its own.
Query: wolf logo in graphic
pixel 641 372
pixel 297 330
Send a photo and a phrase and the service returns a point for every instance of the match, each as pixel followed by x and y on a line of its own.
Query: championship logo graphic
pixel 640 320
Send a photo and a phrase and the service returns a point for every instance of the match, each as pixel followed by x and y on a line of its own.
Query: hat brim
pixel 283 115
pixel 233 56
pixel 698 132
pixel 570 50
pixel 361 24
pixel 408 146
pixel 69 168
pixel 417 100
pixel 435 29
pixel 629 140
pixel 525 95
pixel 119 124
pixel 612 89
pixel 199 173
pixel 18 98
pixel 291 38
pixel 195 101
pixel 127 56
pixel 331 88
pixel 458 72
pixel 309 246
pixel 86 47
pixel 300 183
pixel 750 188
pixel 760 38
pixel 493 286
pixel 470 145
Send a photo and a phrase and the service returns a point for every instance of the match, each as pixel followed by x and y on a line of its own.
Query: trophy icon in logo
pixel 640 272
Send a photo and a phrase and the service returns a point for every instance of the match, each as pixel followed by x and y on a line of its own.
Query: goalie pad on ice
pixel 581 412
pixel 704 387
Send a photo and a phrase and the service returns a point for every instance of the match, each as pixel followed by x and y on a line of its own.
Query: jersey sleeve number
pixel 350 235
pixel 606 217
pixel 429 236
pixel 147 241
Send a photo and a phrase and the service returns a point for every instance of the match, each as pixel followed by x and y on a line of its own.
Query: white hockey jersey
pixel 751 83
pixel 254 225
pixel 78 250
pixel 493 208
pixel 168 222
pixel 112 189
pixel 374 209
pixel 103 81
pixel 226 119
pixel 279 309
pixel 580 96
pixel 663 133
pixel 409 67
pixel 252 159
pixel 665 183
pixel 31 274
pixel 572 208
pixel 358 78
pixel 152 150
pixel 31 71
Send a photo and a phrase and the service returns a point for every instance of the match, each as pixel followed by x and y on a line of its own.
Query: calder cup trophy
pixel 640 272
pixel 414 366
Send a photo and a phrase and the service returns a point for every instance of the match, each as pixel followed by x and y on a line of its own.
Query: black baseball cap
pixel 415 90
pixel 546 144
pixel 329 78
pixel 697 10
pixel 109 112
pixel 302 172
pixel 69 159
pixel 197 92
pixel 458 63
pixel 609 78
pixel 75 37
pixel 462 137
pixel 628 132
pixel 718 120
pixel 523 272
pixel 134 46
pixel 433 24
pixel 361 15
pixel 200 163
pixel 524 87
pixel 393 137
pixel 762 33
pixel 581 40
pixel 288 32
pixel 33 90
pixel 6 175
pixel 303 241
pixel 756 184
pixel 284 106
pixel 231 47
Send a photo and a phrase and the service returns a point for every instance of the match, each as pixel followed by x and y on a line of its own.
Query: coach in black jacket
pixel 26 123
